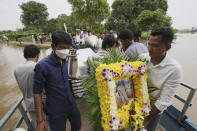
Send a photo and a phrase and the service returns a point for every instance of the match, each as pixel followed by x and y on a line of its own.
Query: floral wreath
pixel 131 114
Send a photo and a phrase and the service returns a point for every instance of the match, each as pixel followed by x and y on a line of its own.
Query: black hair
pixel 109 40
pixel 31 51
pixel 73 34
pixel 166 33
pixel 61 37
pixel 137 33
pixel 126 34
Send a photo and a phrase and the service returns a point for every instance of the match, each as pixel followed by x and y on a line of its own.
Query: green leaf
pixel 90 83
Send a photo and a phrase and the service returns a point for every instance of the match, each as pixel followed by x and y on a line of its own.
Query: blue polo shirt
pixel 53 76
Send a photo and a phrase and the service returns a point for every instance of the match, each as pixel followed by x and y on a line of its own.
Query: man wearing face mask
pixel 51 73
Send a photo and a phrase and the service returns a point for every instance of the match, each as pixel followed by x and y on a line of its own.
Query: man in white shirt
pixel 24 74
pixel 100 40
pixel 33 38
pixel 164 73
pixel 77 38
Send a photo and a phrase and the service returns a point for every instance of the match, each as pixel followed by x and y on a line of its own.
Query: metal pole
pixel 24 114
pixel 7 116
pixel 187 104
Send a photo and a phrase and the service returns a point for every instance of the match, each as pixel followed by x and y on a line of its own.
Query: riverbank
pixel 45 45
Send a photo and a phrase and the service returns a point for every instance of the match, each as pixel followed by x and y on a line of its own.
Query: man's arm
pixel 74 77
pixel 41 125
pixel 169 89
pixel 38 106
pixel 167 94
pixel 69 55
pixel 153 113
pixel 39 82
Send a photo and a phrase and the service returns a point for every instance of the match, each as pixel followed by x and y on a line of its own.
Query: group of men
pixel 51 75
pixel 79 37
pixel 35 39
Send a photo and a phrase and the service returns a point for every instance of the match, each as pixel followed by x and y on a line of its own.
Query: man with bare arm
pixel 164 73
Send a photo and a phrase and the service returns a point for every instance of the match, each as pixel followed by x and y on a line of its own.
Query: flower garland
pixel 137 109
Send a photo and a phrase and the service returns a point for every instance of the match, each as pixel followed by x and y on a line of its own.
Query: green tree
pixel 34 14
pixel 61 19
pixel 90 12
pixel 50 26
pixel 71 22
pixel 124 12
pixel 149 20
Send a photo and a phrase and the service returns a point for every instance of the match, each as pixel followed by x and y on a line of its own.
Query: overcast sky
pixel 183 12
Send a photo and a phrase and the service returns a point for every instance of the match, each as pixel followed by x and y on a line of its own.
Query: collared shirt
pixel 77 39
pixel 24 74
pixel 136 48
pixel 53 76
pixel 166 76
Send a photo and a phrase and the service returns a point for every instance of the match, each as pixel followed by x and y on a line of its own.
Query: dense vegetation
pixel 93 15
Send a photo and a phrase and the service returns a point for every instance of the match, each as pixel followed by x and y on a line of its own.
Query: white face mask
pixel 62 53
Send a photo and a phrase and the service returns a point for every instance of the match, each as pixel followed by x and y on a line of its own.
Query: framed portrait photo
pixel 123 94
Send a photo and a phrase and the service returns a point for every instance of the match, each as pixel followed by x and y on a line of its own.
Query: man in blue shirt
pixel 51 73
pixel 131 48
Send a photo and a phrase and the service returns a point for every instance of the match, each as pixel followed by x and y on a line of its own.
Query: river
pixel 10 57
pixel 183 50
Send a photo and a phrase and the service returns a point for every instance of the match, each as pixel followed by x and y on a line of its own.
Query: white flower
pixel 113 108
pixel 127 69
pixel 144 92
pixel 147 109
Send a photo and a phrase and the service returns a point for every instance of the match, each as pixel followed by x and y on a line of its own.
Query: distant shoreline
pixel 186 32
pixel 45 45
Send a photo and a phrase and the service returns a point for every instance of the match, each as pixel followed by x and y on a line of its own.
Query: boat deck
pixel 87 126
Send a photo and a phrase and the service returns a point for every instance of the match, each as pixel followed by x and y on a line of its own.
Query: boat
pixel 172 119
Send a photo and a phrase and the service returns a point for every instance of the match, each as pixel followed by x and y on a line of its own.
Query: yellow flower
pixel 105 98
